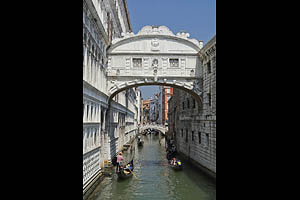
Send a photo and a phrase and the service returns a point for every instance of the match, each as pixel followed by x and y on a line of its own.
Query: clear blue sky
pixel 197 17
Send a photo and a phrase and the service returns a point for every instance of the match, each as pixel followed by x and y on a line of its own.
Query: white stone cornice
pixel 157 32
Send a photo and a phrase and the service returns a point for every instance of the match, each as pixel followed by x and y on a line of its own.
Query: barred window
pixel 174 62
pixel 137 62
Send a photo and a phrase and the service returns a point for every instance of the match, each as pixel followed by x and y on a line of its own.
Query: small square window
pixel 137 62
pixel 174 62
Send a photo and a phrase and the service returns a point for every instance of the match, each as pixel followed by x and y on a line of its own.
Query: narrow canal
pixel 154 179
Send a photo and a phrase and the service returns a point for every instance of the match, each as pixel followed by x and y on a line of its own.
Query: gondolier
pixel 119 161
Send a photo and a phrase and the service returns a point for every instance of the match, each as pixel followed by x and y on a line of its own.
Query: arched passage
pixel 197 94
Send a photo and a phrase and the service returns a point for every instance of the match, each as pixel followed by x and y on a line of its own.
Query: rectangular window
pixel 199 137
pixel 192 135
pixel 209 99
pixel 137 62
pixel 174 62
pixel 194 103
pixel 87 111
pixel 208 67
pixel 207 139
pixel 186 138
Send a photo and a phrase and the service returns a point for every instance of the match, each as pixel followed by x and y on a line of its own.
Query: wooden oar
pixel 133 174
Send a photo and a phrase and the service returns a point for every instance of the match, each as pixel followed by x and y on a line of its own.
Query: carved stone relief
pixel 154 44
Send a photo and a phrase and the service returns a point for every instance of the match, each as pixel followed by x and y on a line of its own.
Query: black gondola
pixel 122 174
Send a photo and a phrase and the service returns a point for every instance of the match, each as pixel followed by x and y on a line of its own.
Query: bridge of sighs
pixel 155 56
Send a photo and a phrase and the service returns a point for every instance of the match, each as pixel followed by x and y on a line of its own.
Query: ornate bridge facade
pixel 155 56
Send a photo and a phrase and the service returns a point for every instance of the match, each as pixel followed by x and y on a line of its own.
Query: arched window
pixel 92 50
pixel 95 136
pixel 87 111
pixel 102 119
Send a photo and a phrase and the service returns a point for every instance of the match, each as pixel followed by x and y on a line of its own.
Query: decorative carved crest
pixel 155 44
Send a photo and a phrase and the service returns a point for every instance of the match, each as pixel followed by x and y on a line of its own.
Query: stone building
pixel 146 111
pixel 193 124
pixel 105 128
pixel 166 95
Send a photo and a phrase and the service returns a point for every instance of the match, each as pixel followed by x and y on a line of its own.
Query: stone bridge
pixel 155 56
pixel 160 128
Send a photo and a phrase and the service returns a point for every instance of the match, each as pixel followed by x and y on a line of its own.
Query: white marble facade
pixel 104 131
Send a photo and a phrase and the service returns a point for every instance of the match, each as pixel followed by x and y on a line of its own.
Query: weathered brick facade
pixel 193 124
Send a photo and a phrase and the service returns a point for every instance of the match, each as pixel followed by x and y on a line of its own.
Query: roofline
pixel 209 43
pixel 137 37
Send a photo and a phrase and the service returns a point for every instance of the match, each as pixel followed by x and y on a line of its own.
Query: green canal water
pixel 154 180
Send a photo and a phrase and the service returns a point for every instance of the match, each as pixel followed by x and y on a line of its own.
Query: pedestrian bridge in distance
pixel 160 128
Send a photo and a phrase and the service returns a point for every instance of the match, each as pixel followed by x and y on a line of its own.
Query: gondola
pixel 124 175
pixel 175 167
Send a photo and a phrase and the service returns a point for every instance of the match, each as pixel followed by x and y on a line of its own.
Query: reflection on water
pixel 154 179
